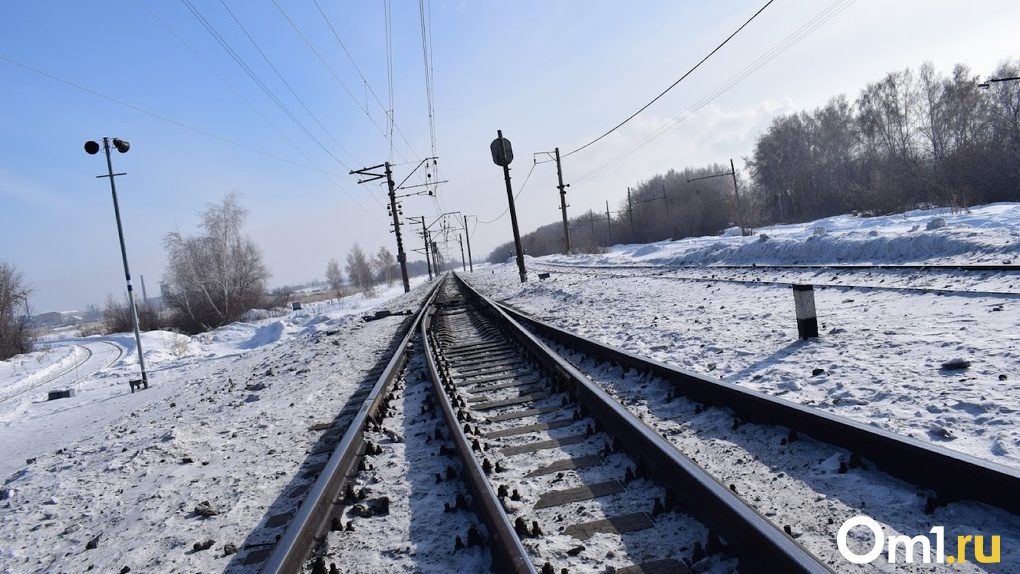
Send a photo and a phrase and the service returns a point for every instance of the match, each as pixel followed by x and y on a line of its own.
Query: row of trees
pixel 364 272
pixel 15 333
pixel 911 139
pixel 677 204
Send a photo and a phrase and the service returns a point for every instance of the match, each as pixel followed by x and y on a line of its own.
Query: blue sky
pixel 549 74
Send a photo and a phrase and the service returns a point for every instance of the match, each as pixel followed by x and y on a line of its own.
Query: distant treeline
pixel 914 138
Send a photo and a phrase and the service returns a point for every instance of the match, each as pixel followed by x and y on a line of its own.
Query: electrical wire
pixel 388 17
pixel 519 192
pixel 820 19
pixel 270 94
pixel 368 86
pixel 674 84
pixel 256 79
pixel 240 96
pixel 287 84
pixel 329 68
pixel 158 116
pixel 425 53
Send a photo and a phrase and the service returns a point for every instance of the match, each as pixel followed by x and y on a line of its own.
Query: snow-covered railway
pixel 968 280
pixel 591 459
pixel 806 470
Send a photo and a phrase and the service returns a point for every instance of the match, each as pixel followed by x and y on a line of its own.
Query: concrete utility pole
pixel 732 173
pixel 630 214
pixel 468 237
pixel 388 174
pixel 563 203
pixel 463 264
pixel 425 236
pixel 609 223
pixel 740 210
pixel 435 256
pixel 669 217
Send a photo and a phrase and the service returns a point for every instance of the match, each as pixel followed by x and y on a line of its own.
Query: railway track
pixel 76 363
pixel 966 280
pixel 603 461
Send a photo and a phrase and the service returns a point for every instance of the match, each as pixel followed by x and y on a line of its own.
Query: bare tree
pixel 15 335
pixel 335 277
pixel 216 276
pixel 385 265
pixel 359 269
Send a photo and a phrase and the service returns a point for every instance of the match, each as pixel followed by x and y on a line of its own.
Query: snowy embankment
pixel 986 234
pixel 108 480
pixel 881 355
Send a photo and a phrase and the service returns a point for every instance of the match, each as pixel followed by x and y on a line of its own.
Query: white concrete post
pixel 804 301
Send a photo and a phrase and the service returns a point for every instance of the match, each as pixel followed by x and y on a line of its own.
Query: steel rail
pixel 508 554
pixel 951 475
pixel 776 282
pixel 758 543
pixel 313 516
pixel 839 266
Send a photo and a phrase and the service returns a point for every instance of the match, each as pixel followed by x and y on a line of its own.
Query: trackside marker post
pixel 807 320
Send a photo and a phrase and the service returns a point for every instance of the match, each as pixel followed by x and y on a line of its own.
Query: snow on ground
pixel 882 351
pixel 228 416
pixel 226 421
pixel 879 359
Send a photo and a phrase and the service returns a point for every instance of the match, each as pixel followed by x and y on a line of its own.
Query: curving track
pixel 88 364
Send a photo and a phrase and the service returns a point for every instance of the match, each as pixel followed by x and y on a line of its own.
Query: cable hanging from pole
pixel 674 84
pixel 823 17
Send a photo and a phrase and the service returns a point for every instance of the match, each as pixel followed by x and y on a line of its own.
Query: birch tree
pixel 217 275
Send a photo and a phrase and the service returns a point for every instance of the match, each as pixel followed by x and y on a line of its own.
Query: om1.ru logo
pixel 892 543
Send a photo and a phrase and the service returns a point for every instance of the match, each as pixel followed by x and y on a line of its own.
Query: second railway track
pixel 594 471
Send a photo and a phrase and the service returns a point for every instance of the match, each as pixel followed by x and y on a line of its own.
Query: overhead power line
pixel 332 72
pixel 237 93
pixel 674 84
pixel 287 84
pixel 830 12
pixel 364 80
pixel 255 77
pixel 157 116
pixel 516 195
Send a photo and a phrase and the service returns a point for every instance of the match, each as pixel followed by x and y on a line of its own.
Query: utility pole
pixel 630 213
pixel 740 211
pixel 669 218
pixel 388 174
pixel 468 236
pixel 733 173
pixel 425 236
pixel 591 222
pixel 609 223
pixel 463 264
pixel 563 203
pixel 502 154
